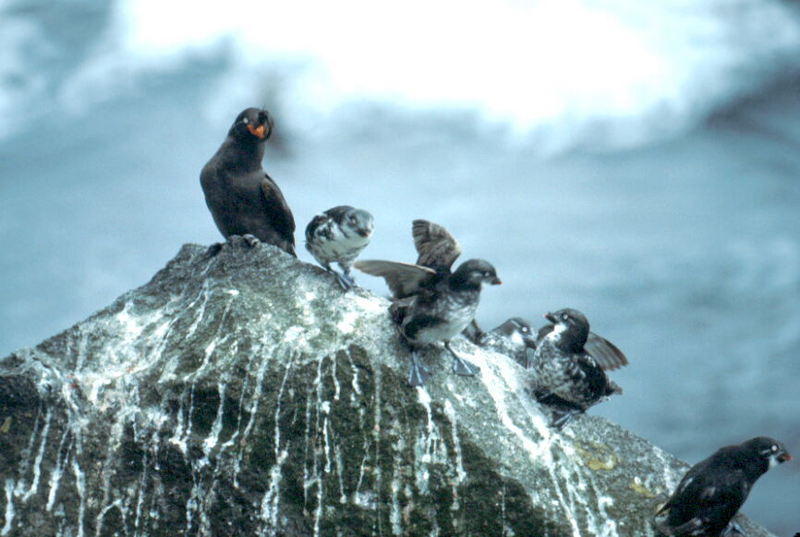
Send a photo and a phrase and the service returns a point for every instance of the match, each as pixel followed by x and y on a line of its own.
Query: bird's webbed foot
pixel 461 366
pixel 344 281
pixel 418 374
pixel 561 417
pixel 214 249
pixel 561 413
pixel 251 240
pixel 733 530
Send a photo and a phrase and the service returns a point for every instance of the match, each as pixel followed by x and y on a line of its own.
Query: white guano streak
pixel 9 507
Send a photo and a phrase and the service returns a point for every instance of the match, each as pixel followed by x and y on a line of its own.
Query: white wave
pixel 620 72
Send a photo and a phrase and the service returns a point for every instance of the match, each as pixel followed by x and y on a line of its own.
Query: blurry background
pixel 636 160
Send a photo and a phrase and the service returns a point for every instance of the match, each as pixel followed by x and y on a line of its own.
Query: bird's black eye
pixel 564 317
pixel 525 330
pixel 485 274
pixel 245 120
pixel 774 448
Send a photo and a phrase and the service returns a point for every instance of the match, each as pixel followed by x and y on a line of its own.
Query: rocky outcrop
pixel 246 394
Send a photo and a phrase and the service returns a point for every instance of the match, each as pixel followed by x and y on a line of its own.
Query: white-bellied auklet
pixel 242 198
pixel 337 236
pixel 566 378
pixel 713 490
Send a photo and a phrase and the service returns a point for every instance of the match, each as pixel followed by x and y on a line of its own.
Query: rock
pixel 247 394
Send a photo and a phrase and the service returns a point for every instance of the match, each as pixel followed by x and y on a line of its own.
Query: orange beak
pixel 257 131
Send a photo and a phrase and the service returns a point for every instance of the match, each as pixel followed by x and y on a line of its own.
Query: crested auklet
pixel 713 490
pixel 242 198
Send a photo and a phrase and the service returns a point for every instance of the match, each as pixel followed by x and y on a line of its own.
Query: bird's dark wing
pixel 592 376
pixel 403 279
pixel 607 355
pixel 278 210
pixel 313 225
pixel 704 501
pixel 436 247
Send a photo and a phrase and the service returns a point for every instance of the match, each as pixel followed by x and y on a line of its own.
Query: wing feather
pixel 403 279
pixel 278 212
pixel 436 247
pixel 607 355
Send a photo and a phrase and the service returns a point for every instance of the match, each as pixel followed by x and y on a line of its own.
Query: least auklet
pixel 436 306
pixel 566 378
pixel 337 236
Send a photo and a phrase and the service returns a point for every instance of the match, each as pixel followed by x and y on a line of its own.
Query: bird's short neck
pixel 566 339
pixel 242 156
pixel 753 466
pixel 458 283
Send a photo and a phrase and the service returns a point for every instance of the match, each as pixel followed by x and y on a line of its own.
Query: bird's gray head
pixel 252 125
pixel 357 221
pixel 768 450
pixel 570 328
pixel 471 274
pixel 518 328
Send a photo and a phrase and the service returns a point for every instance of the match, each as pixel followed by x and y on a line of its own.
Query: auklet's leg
pixel 418 374
pixel 460 365
pixel 347 275
pixel 344 282
pixel 562 417
pixel 733 529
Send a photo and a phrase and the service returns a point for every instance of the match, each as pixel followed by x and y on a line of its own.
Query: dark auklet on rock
pixel 713 490
pixel 436 307
pixel 242 198
pixel 566 378
pixel 337 236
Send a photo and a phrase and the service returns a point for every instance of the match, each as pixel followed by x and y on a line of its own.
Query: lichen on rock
pixel 246 394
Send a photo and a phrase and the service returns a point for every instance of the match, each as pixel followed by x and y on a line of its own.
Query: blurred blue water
pixel 685 252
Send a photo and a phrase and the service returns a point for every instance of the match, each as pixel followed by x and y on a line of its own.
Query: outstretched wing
pixel 436 247
pixel 403 279
pixel 280 216
pixel 606 354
